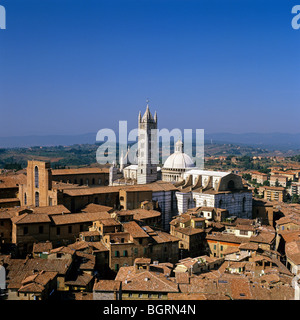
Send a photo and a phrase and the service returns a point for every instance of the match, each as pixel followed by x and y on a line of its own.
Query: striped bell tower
pixel 147 144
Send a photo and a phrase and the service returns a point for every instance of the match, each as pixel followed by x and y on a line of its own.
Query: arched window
pixel 220 203
pixel 230 185
pixel 37 199
pixel 87 182
pixel 99 181
pixel 36 177
pixel 244 205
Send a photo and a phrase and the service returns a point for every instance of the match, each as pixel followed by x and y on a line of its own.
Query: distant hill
pixel 271 141
pixel 47 141
pixel 279 141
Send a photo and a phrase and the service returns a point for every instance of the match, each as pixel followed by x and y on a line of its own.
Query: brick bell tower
pixel 147 148
pixel 39 183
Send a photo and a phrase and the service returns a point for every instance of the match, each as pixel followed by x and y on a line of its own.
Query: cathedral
pixel 195 187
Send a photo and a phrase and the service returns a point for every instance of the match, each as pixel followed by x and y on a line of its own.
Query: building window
pixel 37 199
pixel 125 253
pixel 93 181
pixel 87 182
pixel 25 199
pixel 50 201
pixel 116 267
pixel 244 205
pixel 117 254
pixel 25 230
pixel 70 229
pixel 36 177
pixel 215 246
pixel 231 185
pixel 41 229
pixel 221 248
pixel 58 231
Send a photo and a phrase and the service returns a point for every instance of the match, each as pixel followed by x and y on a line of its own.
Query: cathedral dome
pixel 179 159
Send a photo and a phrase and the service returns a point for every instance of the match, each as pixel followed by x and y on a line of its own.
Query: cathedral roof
pixel 179 159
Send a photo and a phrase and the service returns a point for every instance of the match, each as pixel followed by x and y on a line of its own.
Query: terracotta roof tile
pixel 42 247
pixel 59 172
pixel 135 230
pixel 145 281
pixel 107 285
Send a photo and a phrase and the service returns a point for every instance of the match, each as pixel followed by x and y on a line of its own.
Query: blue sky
pixel 77 66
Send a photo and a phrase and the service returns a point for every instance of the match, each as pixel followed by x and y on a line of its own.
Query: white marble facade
pixel 203 188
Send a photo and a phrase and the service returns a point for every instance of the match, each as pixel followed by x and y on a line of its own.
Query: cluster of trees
pixel 13 166
pixel 296 158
